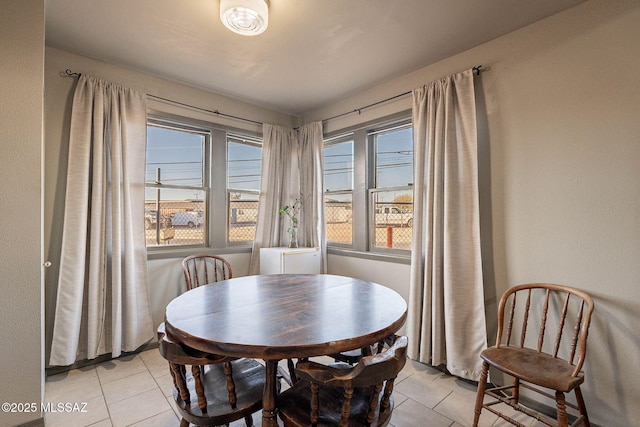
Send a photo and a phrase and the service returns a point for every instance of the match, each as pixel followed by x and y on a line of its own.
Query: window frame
pixel 215 174
pixel 373 187
pixel 254 142
pixel 205 188
pixel 329 142
pixel 363 184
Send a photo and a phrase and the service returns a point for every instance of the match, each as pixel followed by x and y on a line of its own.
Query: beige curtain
pixel 311 147
pixel 446 321
pixel 102 300
pixel 279 185
pixel 292 167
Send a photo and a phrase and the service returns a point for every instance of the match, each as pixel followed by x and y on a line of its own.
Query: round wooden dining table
pixel 283 316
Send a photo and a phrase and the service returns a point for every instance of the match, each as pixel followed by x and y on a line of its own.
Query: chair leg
pixel 248 420
pixel 482 384
pixel 581 407
pixel 561 407
pixel 184 423
pixel 292 371
pixel 515 395
pixel 231 385
pixel 284 375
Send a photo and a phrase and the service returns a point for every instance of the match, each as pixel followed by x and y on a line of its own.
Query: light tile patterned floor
pixel 137 391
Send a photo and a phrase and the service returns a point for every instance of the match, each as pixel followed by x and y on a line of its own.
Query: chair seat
pixel 294 407
pixel 249 380
pixel 532 366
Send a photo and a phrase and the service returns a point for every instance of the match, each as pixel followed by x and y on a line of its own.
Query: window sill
pixel 184 251
pixel 376 256
pixel 181 252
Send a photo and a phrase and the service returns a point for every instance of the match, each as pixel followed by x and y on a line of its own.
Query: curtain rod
pixel 69 73
pixel 216 112
pixel 476 70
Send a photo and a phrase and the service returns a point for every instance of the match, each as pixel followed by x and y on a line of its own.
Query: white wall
pixel 560 175
pixel 21 126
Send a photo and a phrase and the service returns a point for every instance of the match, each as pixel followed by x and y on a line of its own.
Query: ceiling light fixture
pixel 245 17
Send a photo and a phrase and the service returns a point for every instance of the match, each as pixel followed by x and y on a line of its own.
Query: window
pixel 391 196
pixel 244 166
pixel 338 189
pixel 176 188
pixel 368 181
pixel 198 174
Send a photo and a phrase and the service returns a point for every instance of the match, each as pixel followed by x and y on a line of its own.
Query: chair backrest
pixel 178 354
pixel 372 372
pixel 560 314
pixel 384 365
pixel 212 391
pixel 203 269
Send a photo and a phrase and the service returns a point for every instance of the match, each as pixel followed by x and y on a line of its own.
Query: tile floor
pixel 136 390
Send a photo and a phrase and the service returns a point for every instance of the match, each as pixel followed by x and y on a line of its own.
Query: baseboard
pixel 53 370
pixel 35 423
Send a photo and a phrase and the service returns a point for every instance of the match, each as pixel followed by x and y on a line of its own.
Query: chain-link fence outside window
pixel 393 221
pixel 337 208
pixel 243 215
pixel 182 222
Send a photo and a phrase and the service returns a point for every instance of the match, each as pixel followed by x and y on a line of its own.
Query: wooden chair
pixel 216 390
pixel 346 396
pixel 202 269
pixel 550 358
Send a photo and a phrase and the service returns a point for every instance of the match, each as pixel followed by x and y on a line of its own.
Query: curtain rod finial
pixel 480 68
pixel 69 73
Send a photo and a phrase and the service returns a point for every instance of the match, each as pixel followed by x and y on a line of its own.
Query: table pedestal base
pixel 269 412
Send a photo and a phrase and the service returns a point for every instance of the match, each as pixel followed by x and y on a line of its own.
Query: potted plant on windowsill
pixel 292 211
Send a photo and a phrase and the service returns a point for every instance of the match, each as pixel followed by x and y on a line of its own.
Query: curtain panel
pixel 102 298
pixel 279 185
pixel 311 161
pixel 292 167
pixel 446 319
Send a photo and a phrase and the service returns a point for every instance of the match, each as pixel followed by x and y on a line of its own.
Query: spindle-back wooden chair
pixel 549 358
pixel 202 269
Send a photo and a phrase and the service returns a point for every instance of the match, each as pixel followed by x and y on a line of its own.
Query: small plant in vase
pixel 292 211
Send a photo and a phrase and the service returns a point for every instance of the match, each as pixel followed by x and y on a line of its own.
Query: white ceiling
pixel 313 53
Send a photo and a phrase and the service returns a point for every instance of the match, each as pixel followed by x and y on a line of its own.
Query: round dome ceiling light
pixel 245 17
